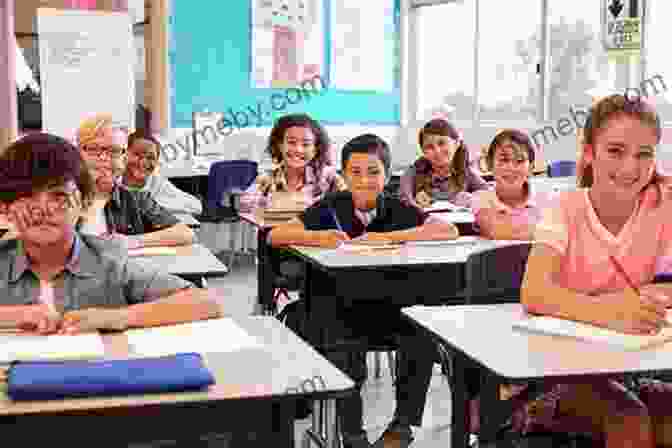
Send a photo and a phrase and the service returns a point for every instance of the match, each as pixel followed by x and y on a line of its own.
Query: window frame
pixel 629 75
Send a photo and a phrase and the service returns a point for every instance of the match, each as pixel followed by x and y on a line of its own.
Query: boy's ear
pixel 588 153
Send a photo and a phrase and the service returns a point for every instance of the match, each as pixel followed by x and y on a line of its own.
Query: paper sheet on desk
pixel 209 336
pixel 152 251
pixel 29 347
pixel 562 327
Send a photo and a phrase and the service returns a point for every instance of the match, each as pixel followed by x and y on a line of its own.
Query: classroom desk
pixel 518 356
pixel 413 274
pixel 255 392
pixel 189 220
pixel 192 262
pixel 265 286
pixel 553 184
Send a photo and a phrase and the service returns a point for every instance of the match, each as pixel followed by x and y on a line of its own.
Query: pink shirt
pixel 643 246
pixel 528 214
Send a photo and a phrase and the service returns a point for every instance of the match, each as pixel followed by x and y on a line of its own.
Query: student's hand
pixel 658 292
pixel 635 314
pixel 92 319
pixel 423 199
pixel 39 318
pixel 125 241
pixel 331 238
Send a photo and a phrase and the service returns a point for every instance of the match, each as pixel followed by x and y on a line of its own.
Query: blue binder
pixel 54 380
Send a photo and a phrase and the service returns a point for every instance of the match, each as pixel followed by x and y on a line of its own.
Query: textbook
pixel 31 347
pixel 579 330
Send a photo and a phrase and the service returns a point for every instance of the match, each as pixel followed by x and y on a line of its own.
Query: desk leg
pixel 264 273
pixel 490 419
pixel 331 433
pixel 459 431
pixel 313 332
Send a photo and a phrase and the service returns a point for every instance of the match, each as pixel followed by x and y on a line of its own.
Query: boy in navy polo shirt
pixel 365 213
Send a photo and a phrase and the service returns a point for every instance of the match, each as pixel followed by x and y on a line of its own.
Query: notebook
pixel 30 347
pixel 563 327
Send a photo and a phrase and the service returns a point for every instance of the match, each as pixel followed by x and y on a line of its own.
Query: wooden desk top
pixel 485 333
pixel 448 252
pixel 195 259
pixel 257 219
pixel 282 362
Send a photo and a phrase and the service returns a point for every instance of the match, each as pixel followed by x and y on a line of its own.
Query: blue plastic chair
pixel 562 168
pixel 231 178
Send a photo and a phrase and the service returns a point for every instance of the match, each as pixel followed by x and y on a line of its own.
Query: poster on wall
pixel 287 42
pixel 364 48
pixel 85 55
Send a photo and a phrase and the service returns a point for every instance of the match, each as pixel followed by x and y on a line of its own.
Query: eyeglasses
pixel 103 152
pixel 148 156
pixel 55 204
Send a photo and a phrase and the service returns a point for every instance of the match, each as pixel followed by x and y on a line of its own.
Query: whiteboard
pixel 86 67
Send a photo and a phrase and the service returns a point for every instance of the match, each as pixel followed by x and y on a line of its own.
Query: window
pixel 446 60
pixel 578 61
pixel 508 53
pixel 658 62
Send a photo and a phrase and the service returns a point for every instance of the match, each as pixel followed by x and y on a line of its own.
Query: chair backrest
pixel 229 176
pixel 562 168
pixel 494 275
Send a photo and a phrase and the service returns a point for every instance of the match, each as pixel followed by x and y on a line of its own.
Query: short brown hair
pixel 517 137
pixel 606 109
pixel 42 160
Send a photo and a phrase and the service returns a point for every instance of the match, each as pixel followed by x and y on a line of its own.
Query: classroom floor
pixel 378 393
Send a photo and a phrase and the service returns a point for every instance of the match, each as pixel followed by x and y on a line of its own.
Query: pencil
pixel 336 221
pixel 631 284
pixel 621 270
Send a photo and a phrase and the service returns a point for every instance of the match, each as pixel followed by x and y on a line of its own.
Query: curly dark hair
pixel 303 121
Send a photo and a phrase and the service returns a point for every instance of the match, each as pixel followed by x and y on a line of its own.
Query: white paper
pixel 209 336
pixel 563 327
pixel 85 55
pixel 24 347
pixel 362 45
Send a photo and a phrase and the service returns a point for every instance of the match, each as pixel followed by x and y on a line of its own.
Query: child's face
pixel 439 150
pixel 106 163
pixel 46 216
pixel 298 147
pixel 510 165
pixel 143 159
pixel 365 175
pixel 622 156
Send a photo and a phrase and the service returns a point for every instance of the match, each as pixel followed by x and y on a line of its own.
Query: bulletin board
pixel 210 54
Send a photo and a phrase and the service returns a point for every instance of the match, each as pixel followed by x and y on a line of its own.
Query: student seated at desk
pixel 512 209
pixel 443 172
pixel 299 149
pixel 594 248
pixel 134 218
pixel 144 153
pixel 364 213
pixel 52 278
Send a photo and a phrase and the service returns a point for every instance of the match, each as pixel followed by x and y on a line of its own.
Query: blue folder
pixel 47 380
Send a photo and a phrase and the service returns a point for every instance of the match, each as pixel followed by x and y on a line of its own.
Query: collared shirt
pixel 527 214
pixel 316 185
pixel 97 274
pixel 390 215
pixel 135 213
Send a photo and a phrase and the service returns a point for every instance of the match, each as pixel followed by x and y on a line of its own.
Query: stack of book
pixel 284 207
